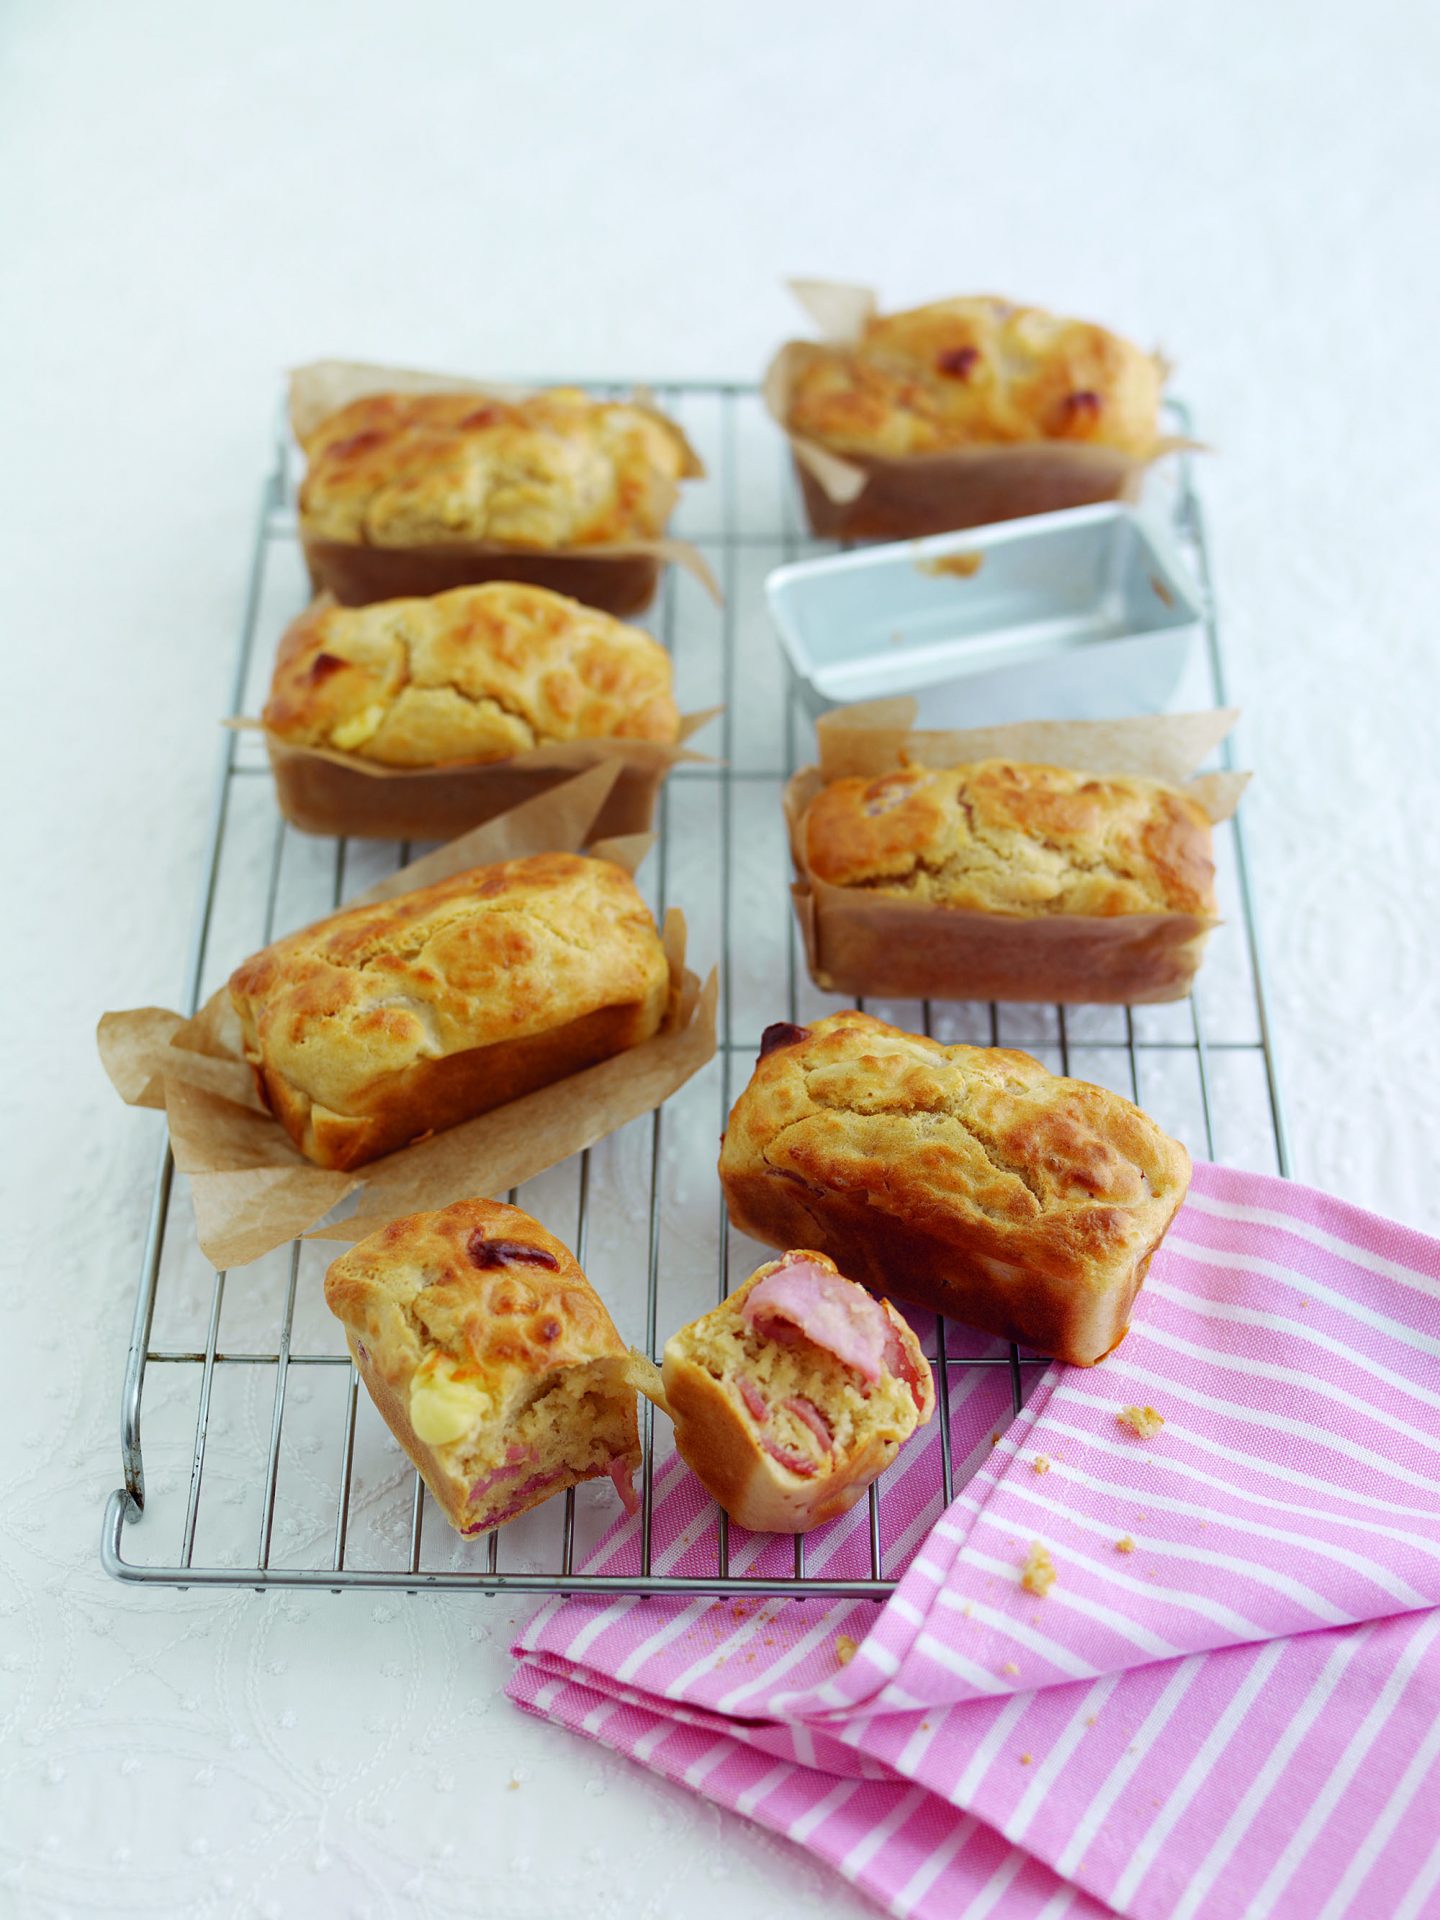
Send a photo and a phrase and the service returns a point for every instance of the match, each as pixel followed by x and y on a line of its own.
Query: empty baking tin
pixel 1075 615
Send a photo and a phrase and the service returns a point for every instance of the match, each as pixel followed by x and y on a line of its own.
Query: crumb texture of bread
pixel 490 1356
pixel 555 470
pixel 1038 1573
pixel 1004 837
pixel 967 1179
pixel 410 1015
pixel 475 675
pixel 976 371
pixel 784 1431
pixel 1143 1422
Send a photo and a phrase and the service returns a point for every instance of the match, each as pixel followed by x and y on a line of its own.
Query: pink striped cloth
pixel 1238 1716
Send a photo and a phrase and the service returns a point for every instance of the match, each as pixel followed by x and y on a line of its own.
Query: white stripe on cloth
pixel 1111 1617
pixel 1375 1842
pixel 1318 1237
pixel 1247 1569
pixel 854 1863
pixel 1289 1475
pixel 1273 1422
pixel 708 1761
pixel 1017 1630
pixel 662 1636
pixel 995 1888
pixel 1416 1901
pixel 1050 1767
pixel 1305 1284
pixel 1196 1774
pixel 1123 1771
pixel 761 1789
pixel 1294 1328
pixel 804 1824
pixel 1291 1377
pixel 931 1868
pixel 1345 1769
pixel 1265 1781
pixel 1062 1472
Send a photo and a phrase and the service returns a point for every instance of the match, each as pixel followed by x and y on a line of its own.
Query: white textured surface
pixel 193 197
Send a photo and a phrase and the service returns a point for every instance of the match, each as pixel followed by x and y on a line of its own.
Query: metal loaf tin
pixel 1080 615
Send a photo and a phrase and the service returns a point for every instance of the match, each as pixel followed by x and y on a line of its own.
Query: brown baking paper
pixel 873 496
pixel 620 578
pixel 253 1189
pixel 321 790
pixel 858 942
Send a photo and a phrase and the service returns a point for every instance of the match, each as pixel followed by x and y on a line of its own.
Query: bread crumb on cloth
pixel 1038 1573
pixel 845 1648
pixel 1125 1544
pixel 1040 1464
pixel 1144 1422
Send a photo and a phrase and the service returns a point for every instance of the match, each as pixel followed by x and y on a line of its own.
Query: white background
pixel 193 197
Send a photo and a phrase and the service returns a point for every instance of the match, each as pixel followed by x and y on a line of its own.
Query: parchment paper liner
pixel 321 790
pixel 858 942
pixel 253 1190
pixel 620 578
pixel 873 496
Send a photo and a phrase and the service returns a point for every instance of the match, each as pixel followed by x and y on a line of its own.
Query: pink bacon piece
pixel 754 1400
pixel 807 1412
pixel 789 1457
pixel 800 1297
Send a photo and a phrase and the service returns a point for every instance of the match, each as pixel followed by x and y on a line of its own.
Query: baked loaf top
pixel 478 674
pixel 479 1286
pixel 433 469
pixel 1000 837
pixel 976 371
pixel 490 955
pixel 977 1144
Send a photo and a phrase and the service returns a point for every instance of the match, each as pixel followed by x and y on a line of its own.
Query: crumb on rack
pixel 1038 1573
pixel 960 566
pixel 845 1648
pixel 1143 1422
pixel 1041 1463
pixel 1125 1544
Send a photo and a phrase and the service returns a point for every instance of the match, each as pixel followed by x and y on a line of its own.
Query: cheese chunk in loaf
pixel 490 1357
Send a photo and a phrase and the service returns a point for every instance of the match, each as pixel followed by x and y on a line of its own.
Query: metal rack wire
pixel 268 1468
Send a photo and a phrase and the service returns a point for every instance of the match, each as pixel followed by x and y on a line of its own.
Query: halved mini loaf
pixel 794 1393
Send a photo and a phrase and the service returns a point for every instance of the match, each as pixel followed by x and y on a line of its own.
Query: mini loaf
pixel 997 837
pixel 478 674
pixel 553 471
pixel 490 1357
pixel 395 1020
pixel 793 1394
pixel 966 1179
pixel 976 372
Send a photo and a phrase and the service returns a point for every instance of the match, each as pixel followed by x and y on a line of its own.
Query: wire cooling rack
pixel 263 1464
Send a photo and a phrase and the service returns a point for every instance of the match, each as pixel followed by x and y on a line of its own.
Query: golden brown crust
pixel 966 1179
pixel 722 1444
pixel 390 1021
pixel 557 470
pixel 476 675
pixel 485 1287
pixel 1002 837
pixel 976 372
